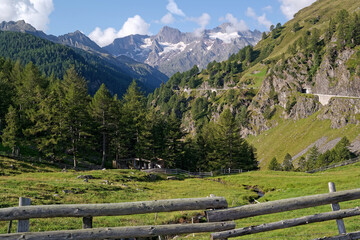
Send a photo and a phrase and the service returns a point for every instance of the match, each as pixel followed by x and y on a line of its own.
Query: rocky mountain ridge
pixel 172 51
pixel 149 77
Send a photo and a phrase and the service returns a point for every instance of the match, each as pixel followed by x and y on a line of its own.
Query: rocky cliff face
pixel 341 111
pixel 334 77
pixel 284 88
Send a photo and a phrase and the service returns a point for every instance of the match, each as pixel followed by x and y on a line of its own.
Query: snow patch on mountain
pixel 172 51
pixel 225 37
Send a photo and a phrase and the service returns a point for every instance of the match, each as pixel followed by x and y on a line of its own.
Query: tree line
pixel 314 159
pixel 59 119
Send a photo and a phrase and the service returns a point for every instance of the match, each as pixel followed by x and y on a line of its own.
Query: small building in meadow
pixel 135 163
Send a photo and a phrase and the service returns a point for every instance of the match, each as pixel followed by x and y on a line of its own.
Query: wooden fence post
pixel 87 222
pixel 23 225
pixel 336 207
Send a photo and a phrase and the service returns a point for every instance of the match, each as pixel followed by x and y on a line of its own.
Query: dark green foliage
pixel 10 136
pixel 290 104
pixel 312 158
pixel 274 165
pixel 133 112
pixel 264 36
pixel 199 111
pixel 276 32
pixel 100 110
pixel 296 27
pixel 75 127
pixel 287 163
pixel 55 59
pixel 316 160
pixel 301 164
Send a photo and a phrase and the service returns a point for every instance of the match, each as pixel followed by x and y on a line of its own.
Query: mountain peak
pixel 169 34
pixel 19 26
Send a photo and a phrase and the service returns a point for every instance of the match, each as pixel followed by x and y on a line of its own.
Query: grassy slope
pixel 293 136
pixel 130 185
pixel 323 8
pixel 289 136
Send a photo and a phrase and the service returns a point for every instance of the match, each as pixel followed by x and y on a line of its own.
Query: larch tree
pixel 75 117
pixel 100 111
pixel 10 134
pixel 133 117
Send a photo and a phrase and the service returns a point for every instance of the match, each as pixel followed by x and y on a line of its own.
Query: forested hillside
pixel 61 121
pixel 278 81
pixel 54 59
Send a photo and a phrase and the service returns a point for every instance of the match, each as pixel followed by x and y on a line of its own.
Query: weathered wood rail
pixel 122 232
pixel 284 205
pixel 88 211
pixel 219 217
pixel 110 209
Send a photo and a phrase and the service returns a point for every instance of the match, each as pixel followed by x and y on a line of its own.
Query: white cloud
pixel 202 21
pixel 262 20
pixel 173 8
pixel 250 12
pixel 290 7
pixel 133 25
pixel 34 12
pixel 167 19
pixel 268 8
pixel 235 25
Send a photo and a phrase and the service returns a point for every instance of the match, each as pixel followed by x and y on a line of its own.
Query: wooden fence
pixel 88 211
pixel 284 205
pixel 176 171
pixel 339 164
pixel 220 218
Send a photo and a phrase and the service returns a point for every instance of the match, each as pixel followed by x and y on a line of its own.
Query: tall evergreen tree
pixel 232 150
pixel 134 112
pixel 174 144
pixel 287 163
pixel 312 158
pixel 10 135
pixel 75 117
pixel 48 122
pixel 6 90
pixel 100 111
pixel 274 165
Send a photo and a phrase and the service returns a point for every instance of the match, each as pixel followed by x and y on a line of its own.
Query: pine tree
pixel 47 122
pixel 100 111
pixel 287 163
pixel 274 165
pixel 312 158
pixel 302 164
pixel 133 113
pixel 10 135
pixel 341 150
pixel 231 150
pixel 6 90
pixel 174 145
pixel 75 117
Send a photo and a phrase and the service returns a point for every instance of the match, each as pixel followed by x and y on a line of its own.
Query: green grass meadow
pixel 46 185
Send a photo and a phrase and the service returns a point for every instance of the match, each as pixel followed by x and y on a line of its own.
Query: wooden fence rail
pixel 284 205
pixel 321 217
pixel 122 232
pixel 281 205
pixel 110 209
pixel 88 211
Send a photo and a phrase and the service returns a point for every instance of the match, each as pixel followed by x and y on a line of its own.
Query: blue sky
pixel 104 20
